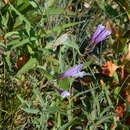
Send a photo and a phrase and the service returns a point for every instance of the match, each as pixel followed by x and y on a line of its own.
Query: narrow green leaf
pixel 65 126
pixel 7 61
pixel 46 72
pixel 2 44
pixel 16 43
pixel 101 4
pixel 50 3
pixel 62 27
pixel 21 99
pixel 72 45
pixel 64 84
pixel 11 33
pixel 54 11
pixel 37 93
pixel 33 3
pixel 22 4
pixel 53 60
pixel 20 15
pixel 33 111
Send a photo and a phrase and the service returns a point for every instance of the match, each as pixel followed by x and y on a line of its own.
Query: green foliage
pixel 34 52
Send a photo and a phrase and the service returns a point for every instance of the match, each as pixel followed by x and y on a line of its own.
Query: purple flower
pixel 73 72
pixel 62 92
pixel 100 34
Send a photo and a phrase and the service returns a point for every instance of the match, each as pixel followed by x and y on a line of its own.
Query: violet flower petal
pixel 102 36
pixel 62 92
pixel 71 71
pixel 99 29
pixel 79 74
pixel 65 94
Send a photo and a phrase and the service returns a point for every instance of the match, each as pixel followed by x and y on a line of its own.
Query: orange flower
pixel 109 68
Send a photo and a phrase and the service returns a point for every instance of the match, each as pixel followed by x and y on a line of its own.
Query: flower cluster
pixel 100 34
pixel 73 72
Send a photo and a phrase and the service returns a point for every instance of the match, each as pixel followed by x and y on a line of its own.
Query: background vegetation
pixel 39 40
